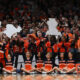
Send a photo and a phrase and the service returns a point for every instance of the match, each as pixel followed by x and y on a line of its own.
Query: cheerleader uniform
pixel 39 63
pixel 9 66
pixel 70 63
pixel 62 64
pixel 28 64
pixel 48 64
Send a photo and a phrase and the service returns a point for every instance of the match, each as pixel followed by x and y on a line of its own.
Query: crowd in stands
pixel 17 53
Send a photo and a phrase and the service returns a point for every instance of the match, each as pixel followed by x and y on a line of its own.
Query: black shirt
pixel 28 61
pixel 62 61
pixel 39 60
pixel 70 61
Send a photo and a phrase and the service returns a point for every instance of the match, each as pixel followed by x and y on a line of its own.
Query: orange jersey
pixel 26 43
pixel 55 48
pixel 37 42
pixel 48 44
pixel 67 44
pixel 62 49
pixel 60 44
pixel 78 43
pixel 70 35
pixel 49 50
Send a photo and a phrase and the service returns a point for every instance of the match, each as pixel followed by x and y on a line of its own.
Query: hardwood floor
pixel 40 77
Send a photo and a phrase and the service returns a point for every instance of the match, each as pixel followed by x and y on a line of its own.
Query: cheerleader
pixel 48 64
pixel 28 63
pixel 70 63
pixel 62 63
pixel 9 66
pixel 39 63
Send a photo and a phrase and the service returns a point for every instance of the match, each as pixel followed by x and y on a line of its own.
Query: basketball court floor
pixel 41 77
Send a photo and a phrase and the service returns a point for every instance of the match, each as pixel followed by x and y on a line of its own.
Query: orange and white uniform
pixel 48 64
pixel 9 66
pixel 62 64
pixel 70 64
pixel 39 63
pixel 28 65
